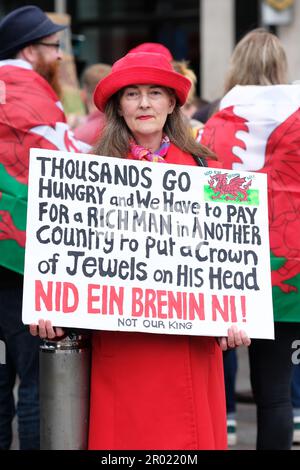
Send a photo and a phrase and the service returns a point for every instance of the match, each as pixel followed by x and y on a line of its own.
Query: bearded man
pixel 31 115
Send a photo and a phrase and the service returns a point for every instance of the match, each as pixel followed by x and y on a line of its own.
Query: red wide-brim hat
pixel 141 68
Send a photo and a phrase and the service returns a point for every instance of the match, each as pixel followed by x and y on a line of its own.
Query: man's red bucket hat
pixel 141 68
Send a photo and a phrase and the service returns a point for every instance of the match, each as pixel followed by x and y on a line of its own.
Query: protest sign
pixel 116 244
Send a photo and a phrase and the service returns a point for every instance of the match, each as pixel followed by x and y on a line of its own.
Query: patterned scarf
pixel 137 152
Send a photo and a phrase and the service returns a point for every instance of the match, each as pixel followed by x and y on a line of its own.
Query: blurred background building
pixel 201 31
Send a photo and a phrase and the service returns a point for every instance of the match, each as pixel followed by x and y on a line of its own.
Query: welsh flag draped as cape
pixel 258 129
pixel 30 116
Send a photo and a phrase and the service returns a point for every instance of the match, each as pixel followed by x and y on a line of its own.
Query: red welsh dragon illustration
pixel 229 136
pixel 218 183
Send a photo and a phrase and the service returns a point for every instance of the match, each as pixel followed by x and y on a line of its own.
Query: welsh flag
pixel 258 129
pixel 30 116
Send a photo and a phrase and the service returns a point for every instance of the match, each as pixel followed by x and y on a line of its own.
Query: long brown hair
pixel 258 59
pixel 115 137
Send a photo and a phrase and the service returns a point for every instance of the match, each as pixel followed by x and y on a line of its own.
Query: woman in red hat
pixel 153 391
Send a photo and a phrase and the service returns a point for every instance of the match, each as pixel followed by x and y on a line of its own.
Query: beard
pixel 50 72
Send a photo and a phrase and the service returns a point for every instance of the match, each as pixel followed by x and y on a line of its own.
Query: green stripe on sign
pixel 253 197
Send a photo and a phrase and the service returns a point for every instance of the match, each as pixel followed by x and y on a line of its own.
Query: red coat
pixel 154 391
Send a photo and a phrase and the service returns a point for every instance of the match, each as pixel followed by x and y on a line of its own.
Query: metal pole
pixel 64 393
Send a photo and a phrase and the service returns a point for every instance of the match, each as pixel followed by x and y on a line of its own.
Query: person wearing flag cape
pixel 31 115
pixel 257 129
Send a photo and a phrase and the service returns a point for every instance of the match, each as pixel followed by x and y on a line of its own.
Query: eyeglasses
pixel 50 44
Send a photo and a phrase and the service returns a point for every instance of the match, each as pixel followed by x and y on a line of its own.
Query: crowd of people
pixel 143 107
